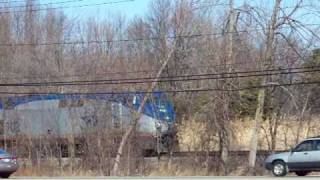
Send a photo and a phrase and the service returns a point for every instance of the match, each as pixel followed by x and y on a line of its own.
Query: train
pixel 64 114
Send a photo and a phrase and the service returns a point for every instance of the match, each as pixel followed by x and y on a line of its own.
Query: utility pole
pixel 225 124
pixel 268 55
pixel 231 32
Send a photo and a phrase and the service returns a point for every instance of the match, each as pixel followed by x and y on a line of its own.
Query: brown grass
pixel 191 133
pixel 192 137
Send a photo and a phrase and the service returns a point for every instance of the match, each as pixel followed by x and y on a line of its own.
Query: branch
pixel 287 17
pixel 305 27
pixel 290 44
pixel 254 17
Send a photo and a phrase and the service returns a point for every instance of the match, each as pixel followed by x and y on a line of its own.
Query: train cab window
pixel 161 104
pixel 162 108
pixel 134 100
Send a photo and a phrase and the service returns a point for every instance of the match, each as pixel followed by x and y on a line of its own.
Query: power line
pixel 46 4
pixel 163 91
pixel 138 39
pixel 201 6
pixel 116 41
pixel 71 1
pixel 143 71
pixel 250 62
pixel 67 7
pixel 166 79
pixel 15 1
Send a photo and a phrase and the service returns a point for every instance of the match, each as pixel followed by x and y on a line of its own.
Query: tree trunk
pixel 137 115
pixel 261 95
pixel 255 131
pixel 273 133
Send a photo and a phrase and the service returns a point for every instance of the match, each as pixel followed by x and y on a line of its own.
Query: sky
pixel 129 8
pixel 133 7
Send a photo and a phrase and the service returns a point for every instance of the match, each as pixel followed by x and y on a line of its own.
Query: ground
pixel 196 177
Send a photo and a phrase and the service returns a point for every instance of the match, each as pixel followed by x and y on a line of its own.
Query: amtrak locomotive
pixel 62 114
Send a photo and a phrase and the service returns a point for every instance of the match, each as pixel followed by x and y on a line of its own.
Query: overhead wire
pixel 191 36
pixel 164 91
pixel 192 77
pixel 208 67
pixel 15 1
pixel 213 67
pixel 44 4
pixel 70 1
pixel 67 7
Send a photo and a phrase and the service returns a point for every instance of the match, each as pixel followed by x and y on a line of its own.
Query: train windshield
pixel 163 108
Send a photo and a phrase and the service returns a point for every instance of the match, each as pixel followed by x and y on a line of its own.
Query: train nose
pixel 161 126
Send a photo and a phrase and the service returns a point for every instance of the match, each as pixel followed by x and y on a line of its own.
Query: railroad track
pixel 211 153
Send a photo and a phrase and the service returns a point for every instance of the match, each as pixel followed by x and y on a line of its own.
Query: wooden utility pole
pixel 225 125
pixel 267 59
pixel 231 32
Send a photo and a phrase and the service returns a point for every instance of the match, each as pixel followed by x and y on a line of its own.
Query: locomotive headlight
pixel 158 124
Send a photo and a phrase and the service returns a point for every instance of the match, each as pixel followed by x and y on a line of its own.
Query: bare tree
pixel 261 96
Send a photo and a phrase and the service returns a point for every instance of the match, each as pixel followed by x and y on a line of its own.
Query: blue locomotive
pixel 63 114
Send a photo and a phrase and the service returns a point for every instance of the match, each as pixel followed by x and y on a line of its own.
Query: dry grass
pixel 192 136
pixel 197 166
pixel 48 168
pixel 53 172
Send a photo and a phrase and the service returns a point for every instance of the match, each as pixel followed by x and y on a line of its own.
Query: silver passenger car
pixel 8 164
pixel 302 159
